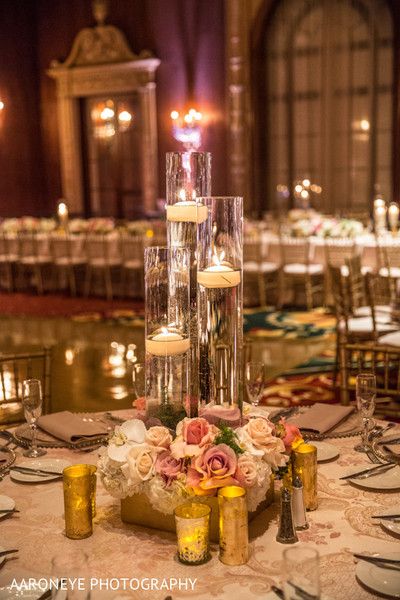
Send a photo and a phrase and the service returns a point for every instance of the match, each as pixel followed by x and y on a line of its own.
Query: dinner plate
pixel 385 481
pixel 325 451
pixel 391 526
pixel 19 594
pixel 380 579
pixel 6 503
pixel 48 464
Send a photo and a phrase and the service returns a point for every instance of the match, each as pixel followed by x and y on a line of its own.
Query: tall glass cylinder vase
pixel 220 306
pixel 167 333
pixel 188 176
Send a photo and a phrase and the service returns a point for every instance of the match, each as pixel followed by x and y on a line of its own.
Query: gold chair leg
pixel 108 282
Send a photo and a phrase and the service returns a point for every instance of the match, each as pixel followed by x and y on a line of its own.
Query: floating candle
pixel 218 275
pixel 187 211
pixel 393 215
pixel 167 343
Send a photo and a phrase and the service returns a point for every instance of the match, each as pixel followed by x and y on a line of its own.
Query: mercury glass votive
pixel 233 526
pixel 192 529
pixel 78 498
pixel 305 466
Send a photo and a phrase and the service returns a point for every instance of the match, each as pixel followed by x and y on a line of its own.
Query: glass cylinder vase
pixel 167 333
pixel 220 306
pixel 188 176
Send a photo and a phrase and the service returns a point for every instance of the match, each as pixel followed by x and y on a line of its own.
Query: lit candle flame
pixel 218 260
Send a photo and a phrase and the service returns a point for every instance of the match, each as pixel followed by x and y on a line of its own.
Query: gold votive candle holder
pixel 233 525
pixel 305 466
pixel 192 529
pixel 78 498
pixel 93 471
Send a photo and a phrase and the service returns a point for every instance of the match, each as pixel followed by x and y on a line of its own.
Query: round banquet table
pixel 340 526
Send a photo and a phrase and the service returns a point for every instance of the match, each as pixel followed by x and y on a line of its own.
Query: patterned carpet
pixel 308 383
pixel 288 324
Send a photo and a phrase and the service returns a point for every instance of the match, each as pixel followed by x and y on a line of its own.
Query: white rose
pixel 140 463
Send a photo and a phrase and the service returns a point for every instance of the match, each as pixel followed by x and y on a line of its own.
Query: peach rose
pixel 193 435
pixel 212 469
pixel 258 438
pixel 140 463
pixel 159 436
pixel 291 434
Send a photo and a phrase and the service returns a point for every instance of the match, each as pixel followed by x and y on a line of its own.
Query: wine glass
pixel 301 573
pixel 254 378
pixel 139 380
pixel 365 396
pixel 70 568
pixel 32 403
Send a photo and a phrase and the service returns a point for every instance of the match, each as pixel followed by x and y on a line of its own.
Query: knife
pixel 6 511
pixel 395 516
pixel 369 472
pixel 378 559
pixel 278 592
pixel 39 472
pixel 6 552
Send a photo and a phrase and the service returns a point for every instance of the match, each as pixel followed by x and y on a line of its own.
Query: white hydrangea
pixel 163 499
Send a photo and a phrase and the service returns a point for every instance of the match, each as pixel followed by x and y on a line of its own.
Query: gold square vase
pixel 138 510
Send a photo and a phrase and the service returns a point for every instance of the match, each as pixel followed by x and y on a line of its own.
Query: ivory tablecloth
pixel 341 525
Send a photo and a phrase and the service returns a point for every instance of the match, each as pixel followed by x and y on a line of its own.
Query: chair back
pixel 356 283
pixel 14 368
pixel 254 248
pixel 27 245
pixel 132 246
pixel 337 251
pixel 295 250
pixel 97 249
pixel 383 361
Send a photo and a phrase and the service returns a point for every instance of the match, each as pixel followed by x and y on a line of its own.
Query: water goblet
pixel 70 575
pixel 365 396
pixel 254 379
pixel 301 577
pixel 32 400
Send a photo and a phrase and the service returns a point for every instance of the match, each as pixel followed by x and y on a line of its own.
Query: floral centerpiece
pixel 195 462
pixel 77 226
pixel 304 223
pixel 100 225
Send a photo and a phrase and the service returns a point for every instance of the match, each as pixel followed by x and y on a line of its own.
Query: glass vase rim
pixel 313 552
pixel 192 152
pixel 166 248
pixel 219 197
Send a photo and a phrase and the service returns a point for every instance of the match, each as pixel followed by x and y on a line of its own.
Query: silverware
pixel 378 559
pixel 111 417
pixel 278 591
pixel 7 511
pixel 389 442
pixel 285 412
pixel 369 472
pixel 39 472
pixel 6 552
pixel 47 594
pixel 302 593
pixel 389 517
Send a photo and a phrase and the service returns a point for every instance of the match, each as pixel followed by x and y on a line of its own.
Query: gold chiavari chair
pixel 336 253
pixel 132 249
pixel 383 361
pixel 389 262
pixel 14 368
pixel 298 269
pixel 100 260
pixel 257 267
pixel 65 260
pixel 8 260
pixel 32 258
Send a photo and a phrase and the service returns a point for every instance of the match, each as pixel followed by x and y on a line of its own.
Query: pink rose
pixel 214 468
pixel 193 435
pixel 159 436
pixel 168 467
pixel 291 434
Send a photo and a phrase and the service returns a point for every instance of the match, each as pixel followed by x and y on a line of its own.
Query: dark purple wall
pixel 186 35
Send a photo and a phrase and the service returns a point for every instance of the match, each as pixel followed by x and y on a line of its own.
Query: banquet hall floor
pixel 92 356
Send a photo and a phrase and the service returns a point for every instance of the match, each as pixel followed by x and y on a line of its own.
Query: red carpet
pixel 53 305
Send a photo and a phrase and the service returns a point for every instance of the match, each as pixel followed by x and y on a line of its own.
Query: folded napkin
pixel 321 418
pixel 71 427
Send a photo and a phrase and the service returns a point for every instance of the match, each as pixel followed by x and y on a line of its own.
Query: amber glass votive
pixel 78 496
pixel 192 530
pixel 233 526
pixel 93 471
pixel 305 465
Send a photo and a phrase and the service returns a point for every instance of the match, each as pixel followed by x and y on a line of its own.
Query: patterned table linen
pixel 341 525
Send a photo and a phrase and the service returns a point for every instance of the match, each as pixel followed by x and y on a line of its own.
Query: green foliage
pixel 228 436
pixel 170 417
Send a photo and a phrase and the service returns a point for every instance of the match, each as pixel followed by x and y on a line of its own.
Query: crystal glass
pixel 301 573
pixel 32 400
pixel 66 569
pixel 167 332
pixel 139 380
pixel 220 304
pixel 254 379
pixel 192 529
pixel 365 396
